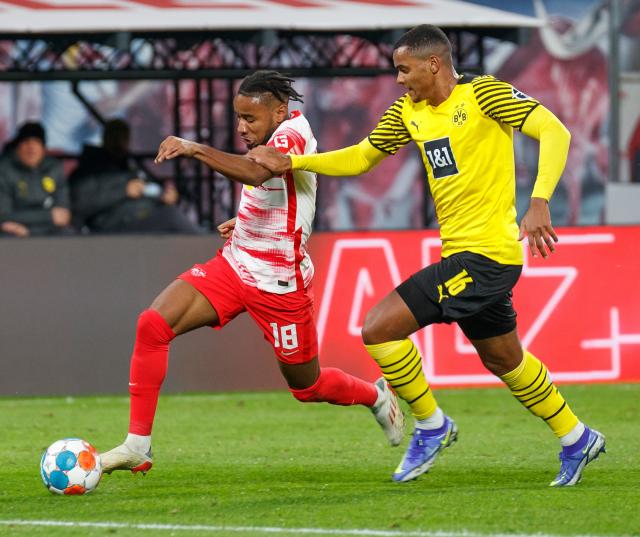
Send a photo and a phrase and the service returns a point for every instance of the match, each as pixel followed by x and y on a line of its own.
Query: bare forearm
pixel 235 167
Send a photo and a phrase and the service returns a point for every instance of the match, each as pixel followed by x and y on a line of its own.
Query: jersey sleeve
pixel 501 101
pixel 391 133
pixel 346 162
pixel 554 148
pixel 288 141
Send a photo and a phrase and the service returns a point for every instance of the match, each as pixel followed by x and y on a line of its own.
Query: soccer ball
pixel 71 466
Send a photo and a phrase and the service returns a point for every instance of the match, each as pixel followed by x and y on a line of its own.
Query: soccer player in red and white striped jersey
pixel 267 248
pixel 263 269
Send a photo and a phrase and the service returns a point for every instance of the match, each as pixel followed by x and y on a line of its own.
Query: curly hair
pixel 277 84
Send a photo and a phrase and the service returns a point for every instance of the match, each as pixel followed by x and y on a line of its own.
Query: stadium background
pixel 71 304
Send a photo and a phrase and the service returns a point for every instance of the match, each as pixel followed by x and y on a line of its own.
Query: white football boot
pixel 388 414
pixel 123 457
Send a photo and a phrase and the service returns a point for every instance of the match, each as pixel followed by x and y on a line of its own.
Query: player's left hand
pixel 536 226
pixel 173 147
pixel 226 228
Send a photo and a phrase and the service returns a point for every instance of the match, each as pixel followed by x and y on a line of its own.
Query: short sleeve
pixel 501 101
pixel 288 141
pixel 391 133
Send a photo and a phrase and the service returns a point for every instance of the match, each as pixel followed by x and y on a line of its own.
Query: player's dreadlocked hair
pixel 424 40
pixel 279 85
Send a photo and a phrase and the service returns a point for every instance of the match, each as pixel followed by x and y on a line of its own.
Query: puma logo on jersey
pixel 416 125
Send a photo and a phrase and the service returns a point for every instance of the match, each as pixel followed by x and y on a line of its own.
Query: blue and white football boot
pixel 574 458
pixel 424 447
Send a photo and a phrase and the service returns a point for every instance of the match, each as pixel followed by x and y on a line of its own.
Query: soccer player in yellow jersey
pixel 463 126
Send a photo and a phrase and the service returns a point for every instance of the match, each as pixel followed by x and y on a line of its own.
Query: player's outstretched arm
pixel 236 167
pixel 554 139
pixel 352 160
pixel 389 135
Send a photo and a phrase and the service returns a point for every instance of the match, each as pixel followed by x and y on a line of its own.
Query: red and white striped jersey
pixel 267 248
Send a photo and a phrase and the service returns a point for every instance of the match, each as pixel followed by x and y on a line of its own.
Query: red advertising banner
pixel 578 310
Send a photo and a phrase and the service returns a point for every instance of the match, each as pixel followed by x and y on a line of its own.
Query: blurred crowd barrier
pixel 564 65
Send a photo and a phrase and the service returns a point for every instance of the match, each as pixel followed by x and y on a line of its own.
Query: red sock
pixel 338 388
pixel 148 368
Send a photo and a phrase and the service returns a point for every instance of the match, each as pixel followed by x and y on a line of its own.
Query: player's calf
pixel 336 387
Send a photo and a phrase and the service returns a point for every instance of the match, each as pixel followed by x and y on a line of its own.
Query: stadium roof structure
pixel 31 16
pixel 117 39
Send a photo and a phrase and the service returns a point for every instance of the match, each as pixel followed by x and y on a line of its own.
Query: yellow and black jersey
pixel 466 144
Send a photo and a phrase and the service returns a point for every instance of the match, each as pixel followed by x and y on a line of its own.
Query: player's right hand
pixel 173 147
pixel 268 157
pixel 536 226
pixel 226 228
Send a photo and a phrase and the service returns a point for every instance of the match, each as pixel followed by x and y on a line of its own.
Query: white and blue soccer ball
pixel 71 466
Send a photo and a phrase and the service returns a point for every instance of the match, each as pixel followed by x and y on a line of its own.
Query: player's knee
pixel 153 328
pixel 491 363
pixel 501 362
pixel 500 355
pixel 372 331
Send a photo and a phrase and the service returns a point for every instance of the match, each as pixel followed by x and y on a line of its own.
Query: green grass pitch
pixel 264 460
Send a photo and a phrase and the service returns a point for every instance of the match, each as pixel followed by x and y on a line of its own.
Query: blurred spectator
pixel 110 193
pixel 34 195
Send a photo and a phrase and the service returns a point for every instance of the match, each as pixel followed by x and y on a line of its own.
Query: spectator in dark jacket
pixel 34 195
pixel 109 192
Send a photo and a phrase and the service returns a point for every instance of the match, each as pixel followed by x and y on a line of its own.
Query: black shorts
pixel 467 288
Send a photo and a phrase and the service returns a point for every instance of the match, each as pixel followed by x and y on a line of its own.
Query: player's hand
pixel 61 216
pixel 271 159
pixel 14 228
pixel 173 147
pixel 135 188
pixel 226 228
pixel 536 226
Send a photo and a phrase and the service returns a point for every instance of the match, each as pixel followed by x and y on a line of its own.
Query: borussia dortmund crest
pixel 460 115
